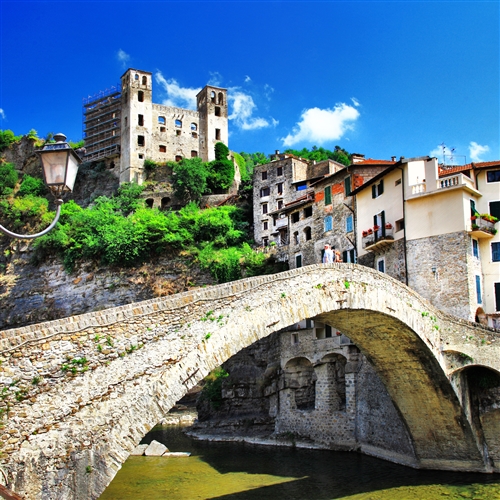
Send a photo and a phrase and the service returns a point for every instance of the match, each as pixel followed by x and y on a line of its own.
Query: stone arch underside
pixel 94 420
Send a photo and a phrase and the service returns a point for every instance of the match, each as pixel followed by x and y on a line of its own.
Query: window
pixel 279 187
pixel 295 338
pixel 328 223
pixel 163 129
pixel 302 186
pixel 140 140
pixel 400 225
pixel 398 182
pixel 328 332
pixel 349 256
pixel 265 225
pixel 381 265
pixel 280 204
pixel 347 186
pixel 177 132
pixel 473 211
pixel 307 233
pixel 136 76
pixel 296 237
pixel 279 171
pixel 178 123
pixel 140 96
pixel 144 80
pixel 178 158
pixel 266 191
pixel 194 154
pixel 141 156
pixel 125 121
pixel 495 208
pixel 264 175
pixel 349 224
pixel 495 252
pixel 212 96
pixel 475 249
pixel 497 296
pixel 140 120
pixel 265 242
pixel 308 211
pixel 478 290
pixel 161 120
pixel 328 195
pixel 194 135
pixel 194 126
pixel 217 111
pixel 295 217
pixel 220 98
pixel 264 208
pixel 163 149
pixel 217 134
pixel 493 176
pixel 377 189
pixel 298 260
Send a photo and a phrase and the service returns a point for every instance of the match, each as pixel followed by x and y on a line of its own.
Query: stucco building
pixel 122 126
pixel 431 227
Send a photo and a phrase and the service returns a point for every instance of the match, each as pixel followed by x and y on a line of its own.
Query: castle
pixel 123 127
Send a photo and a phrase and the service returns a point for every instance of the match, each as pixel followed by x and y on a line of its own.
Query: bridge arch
pixel 91 421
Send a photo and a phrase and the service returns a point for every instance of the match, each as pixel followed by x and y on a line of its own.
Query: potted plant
pixel 376 227
pixel 365 234
pixel 388 225
pixel 370 231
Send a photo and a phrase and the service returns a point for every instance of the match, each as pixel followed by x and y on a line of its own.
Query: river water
pixel 240 471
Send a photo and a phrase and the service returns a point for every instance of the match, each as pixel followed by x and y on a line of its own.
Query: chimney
pixel 277 152
pixel 393 158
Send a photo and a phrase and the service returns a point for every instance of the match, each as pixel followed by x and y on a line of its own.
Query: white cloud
pixel 476 151
pixel 243 107
pixel 247 79
pixel 437 152
pixel 123 57
pixel 323 125
pixel 2 113
pixel 215 79
pixel 355 102
pixel 177 96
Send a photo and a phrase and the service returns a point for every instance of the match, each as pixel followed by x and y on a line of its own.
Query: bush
pixel 7 137
pixel 32 185
pixel 8 178
pixel 212 390
pixel 190 179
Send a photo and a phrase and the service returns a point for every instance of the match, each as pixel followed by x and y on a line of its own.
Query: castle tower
pixel 212 109
pixel 136 116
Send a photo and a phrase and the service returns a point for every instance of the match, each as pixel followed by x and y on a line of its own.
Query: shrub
pixel 212 390
pixel 190 179
pixel 8 178
pixel 32 185
pixel 7 137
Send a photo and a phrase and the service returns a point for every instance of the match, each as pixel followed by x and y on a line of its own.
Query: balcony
pixel 377 238
pixel 483 226
pixel 281 222
pixel 449 182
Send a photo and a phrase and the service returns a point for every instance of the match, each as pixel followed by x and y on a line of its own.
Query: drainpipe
pixel 404 223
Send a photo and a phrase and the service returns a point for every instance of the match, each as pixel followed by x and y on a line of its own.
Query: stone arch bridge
pixel 78 394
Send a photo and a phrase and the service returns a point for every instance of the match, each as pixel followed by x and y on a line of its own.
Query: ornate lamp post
pixel 60 166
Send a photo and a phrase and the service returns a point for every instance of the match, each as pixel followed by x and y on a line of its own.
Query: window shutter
pixel 347 185
pixel 328 195
pixel 348 224
pixel 382 222
pixel 381 187
pixel 374 191
pixel 344 256
pixel 497 296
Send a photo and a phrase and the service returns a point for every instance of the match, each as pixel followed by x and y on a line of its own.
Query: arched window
pixel 149 202
pixel 140 96
pixel 307 233
pixel 194 126
pixel 221 98
pixel 212 96
pixel 136 76
pixel 178 123
pixel 161 120
pixel 301 379
pixel 165 202
pixel 144 80
pixel 194 154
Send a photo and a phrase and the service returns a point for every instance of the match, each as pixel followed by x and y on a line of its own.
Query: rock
pixel 155 449
pixel 176 454
pixel 139 450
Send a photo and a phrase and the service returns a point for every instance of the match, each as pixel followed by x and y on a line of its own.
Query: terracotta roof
pixel 469 166
pixel 371 161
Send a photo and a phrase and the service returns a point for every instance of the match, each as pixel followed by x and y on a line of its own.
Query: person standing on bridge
pixel 338 257
pixel 328 256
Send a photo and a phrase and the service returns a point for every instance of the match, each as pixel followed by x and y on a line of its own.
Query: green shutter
pixel 347 185
pixel 328 195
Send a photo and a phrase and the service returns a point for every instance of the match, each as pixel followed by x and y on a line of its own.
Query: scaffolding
pixel 102 124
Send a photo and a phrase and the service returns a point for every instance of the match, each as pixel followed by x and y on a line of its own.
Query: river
pixel 240 471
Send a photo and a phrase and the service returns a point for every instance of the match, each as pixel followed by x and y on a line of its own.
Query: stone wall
pixel 80 393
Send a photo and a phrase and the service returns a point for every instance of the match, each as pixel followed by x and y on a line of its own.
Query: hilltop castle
pixel 123 127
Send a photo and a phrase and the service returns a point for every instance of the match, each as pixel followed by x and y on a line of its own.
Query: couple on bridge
pixel 330 256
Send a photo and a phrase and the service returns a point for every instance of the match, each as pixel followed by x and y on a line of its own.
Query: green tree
pixel 190 179
pixel 221 171
pixel 32 185
pixel 7 137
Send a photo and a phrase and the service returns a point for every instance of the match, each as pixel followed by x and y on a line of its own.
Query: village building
pixel 123 127
pixel 434 228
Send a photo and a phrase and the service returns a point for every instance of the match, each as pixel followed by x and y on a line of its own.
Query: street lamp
pixel 60 166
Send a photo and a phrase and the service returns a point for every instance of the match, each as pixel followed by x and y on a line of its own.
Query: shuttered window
pixel 328 195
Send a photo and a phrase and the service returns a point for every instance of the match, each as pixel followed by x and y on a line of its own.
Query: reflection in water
pixel 245 472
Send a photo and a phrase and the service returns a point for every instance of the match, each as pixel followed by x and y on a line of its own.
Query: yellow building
pixel 435 229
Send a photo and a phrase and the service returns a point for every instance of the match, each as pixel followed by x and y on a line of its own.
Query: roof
pixel 371 161
pixel 443 170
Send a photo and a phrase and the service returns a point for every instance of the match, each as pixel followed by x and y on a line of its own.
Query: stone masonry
pixel 80 393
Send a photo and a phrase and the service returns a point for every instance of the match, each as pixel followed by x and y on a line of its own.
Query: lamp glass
pixel 54 166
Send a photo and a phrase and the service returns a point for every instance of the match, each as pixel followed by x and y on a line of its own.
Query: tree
pixel 8 178
pixel 7 137
pixel 221 171
pixel 190 179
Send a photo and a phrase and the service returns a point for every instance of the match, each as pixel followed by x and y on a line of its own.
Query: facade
pixel 431 227
pixel 299 206
pixel 123 127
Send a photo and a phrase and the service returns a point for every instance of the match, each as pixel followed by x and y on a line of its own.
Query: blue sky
pixel 382 78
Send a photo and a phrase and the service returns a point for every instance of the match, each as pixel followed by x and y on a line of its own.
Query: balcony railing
pixel 281 222
pixel 447 182
pixel 378 238
pixel 483 227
